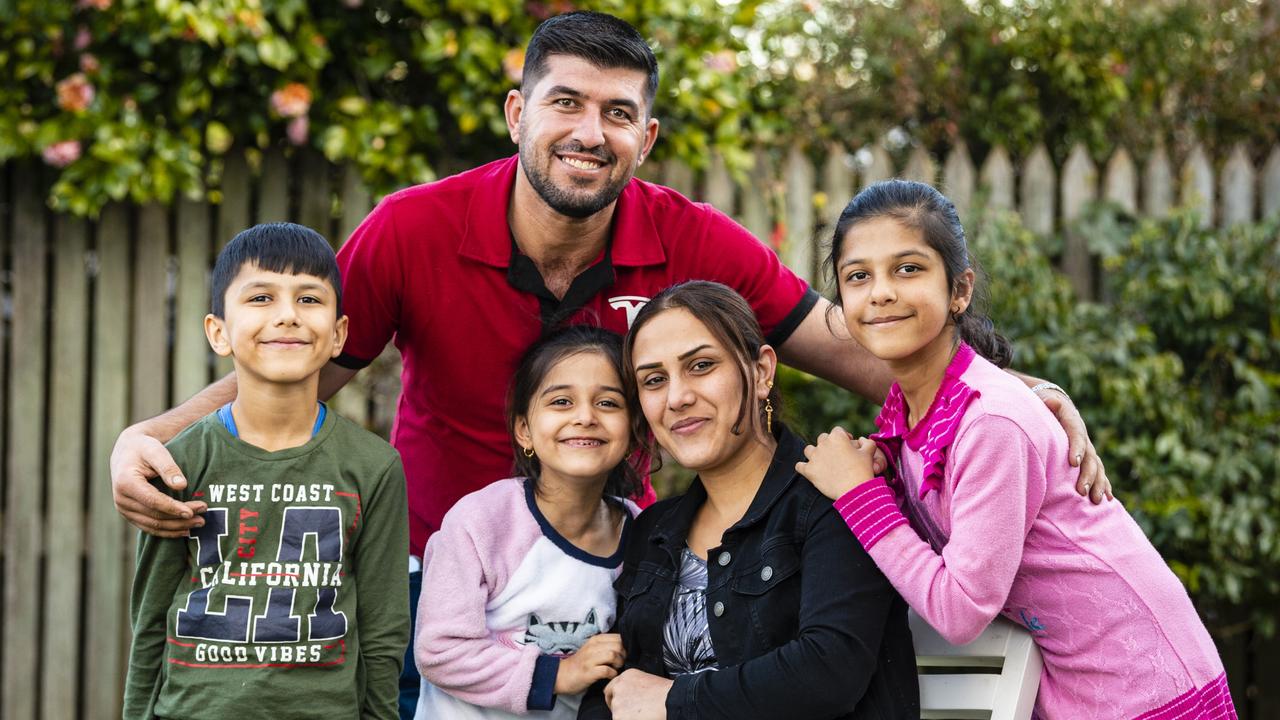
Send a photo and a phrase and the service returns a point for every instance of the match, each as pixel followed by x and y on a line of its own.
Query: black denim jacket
pixel 805 627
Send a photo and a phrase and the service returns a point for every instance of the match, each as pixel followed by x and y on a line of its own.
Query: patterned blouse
pixel 686 639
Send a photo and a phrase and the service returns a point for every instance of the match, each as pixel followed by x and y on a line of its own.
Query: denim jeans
pixel 410 680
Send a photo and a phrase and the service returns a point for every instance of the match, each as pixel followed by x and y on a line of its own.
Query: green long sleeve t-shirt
pixel 292 600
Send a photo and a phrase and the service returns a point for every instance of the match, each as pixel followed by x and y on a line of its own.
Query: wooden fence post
pixel 717 187
pixel 957 179
pixel 880 167
pixel 798 252
pixel 1157 183
pixel 106 616
pixel 756 206
pixel 1271 183
pixel 837 186
pixel 352 401
pixel 1237 188
pixel 920 167
pixel 191 302
pixel 1122 181
pixel 997 179
pixel 26 409
pixel 1197 185
pixel 1039 189
pixel 273 187
pixel 65 530
pixel 677 175
pixel 233 216
pixel 1079 188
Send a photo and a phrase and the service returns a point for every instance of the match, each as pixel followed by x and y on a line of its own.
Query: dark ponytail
pixel 921 207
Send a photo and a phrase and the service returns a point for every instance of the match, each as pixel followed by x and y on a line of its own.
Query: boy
pixel 291 601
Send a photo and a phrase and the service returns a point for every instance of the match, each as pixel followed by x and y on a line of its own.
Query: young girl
pixel 517 586
pixel 980 519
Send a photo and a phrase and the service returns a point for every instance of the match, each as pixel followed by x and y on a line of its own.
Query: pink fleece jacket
pixel 983 519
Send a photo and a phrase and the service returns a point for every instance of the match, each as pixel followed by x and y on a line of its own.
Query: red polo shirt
pixel 432 269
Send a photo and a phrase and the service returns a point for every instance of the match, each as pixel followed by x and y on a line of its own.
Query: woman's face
pixel 691 390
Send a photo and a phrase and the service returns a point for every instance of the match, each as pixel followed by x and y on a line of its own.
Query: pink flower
pixel 95 4
pixel 75 93
pixel 724 61
pixel 89 63
pixel 513 64
pixel 62 154
pixel 83 38
pixel 292 100
pixel 297 130
pixel 353 4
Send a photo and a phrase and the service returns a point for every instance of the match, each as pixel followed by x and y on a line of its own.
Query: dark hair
pixel 275 247
pixel 602 40
pixel 624 480
pixel 729 318
pixel 921 207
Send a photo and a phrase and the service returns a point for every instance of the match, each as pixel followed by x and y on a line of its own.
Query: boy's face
pixel 279 327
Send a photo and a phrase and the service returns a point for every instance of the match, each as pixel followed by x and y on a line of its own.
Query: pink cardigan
pixel 984 520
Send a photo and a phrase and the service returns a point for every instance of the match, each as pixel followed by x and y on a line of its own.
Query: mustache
pixel 573 146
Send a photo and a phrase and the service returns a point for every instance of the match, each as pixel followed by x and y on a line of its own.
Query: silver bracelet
pixel 1048 386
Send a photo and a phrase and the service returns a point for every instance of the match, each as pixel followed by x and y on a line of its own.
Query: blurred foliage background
pixel 1176 369
pixel 140 98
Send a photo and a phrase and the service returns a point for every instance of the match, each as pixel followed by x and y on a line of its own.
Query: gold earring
pixel 768 414
pixel 528 452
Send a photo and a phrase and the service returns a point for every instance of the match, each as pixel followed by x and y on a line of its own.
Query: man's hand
pixel 1093 482
pixel 637 695
pixel 839 462
pixel 599 658
pixel 135 459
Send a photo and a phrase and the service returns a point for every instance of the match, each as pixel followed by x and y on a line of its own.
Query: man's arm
pixel 823 347
pixel 139 455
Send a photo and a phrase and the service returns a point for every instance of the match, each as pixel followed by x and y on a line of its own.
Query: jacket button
pixel 766 573
pixel 724 558
pixel 718 609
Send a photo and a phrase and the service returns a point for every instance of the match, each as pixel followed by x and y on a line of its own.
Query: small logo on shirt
pixel 630 304
pixel 1032 623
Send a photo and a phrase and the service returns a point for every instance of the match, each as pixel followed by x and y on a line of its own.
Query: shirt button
pixel 718 609
pixel 724 559
pixel 766 573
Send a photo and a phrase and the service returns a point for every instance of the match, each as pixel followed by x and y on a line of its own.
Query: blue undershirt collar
pixel 229 422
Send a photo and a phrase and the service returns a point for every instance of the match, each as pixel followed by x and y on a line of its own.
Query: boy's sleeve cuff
pixel 870 511
pixel 542 693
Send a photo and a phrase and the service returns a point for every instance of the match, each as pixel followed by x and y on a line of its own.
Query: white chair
pixel 996 676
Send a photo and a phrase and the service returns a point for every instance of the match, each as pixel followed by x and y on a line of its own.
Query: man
pixel 466 273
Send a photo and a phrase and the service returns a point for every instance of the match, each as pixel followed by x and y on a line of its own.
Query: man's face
pixel 582 132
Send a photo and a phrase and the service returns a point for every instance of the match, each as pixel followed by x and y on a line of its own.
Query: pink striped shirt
pixel 983 519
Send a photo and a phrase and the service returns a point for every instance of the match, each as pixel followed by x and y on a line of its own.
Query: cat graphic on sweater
pixel 560 637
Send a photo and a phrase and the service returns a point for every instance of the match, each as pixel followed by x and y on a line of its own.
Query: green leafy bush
pixel 1177 375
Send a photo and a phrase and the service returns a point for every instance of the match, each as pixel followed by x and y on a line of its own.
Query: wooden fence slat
pixel 997 179
pixel 352 401
pixel 315 196
pixel 1197 185
pixel 717 186
pixel 64 536
pixel 920 167
pixel 837 184
pixel 798 252
pixel 1079 188
pixel 650 171
pixel 233 216
pixel 1121 185
pixel 757 215
pixel 1237 187
pixel 957 179
pixel 1157 184
pixel 1271 183
pixel 880 167
pixel 190 348
pixel 149 379
pixel 273 188
pixel 23 529
pixel 677 175
pixel 1039 190
pixel 106 614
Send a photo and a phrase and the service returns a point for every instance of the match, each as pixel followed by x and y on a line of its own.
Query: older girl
pixel 980 520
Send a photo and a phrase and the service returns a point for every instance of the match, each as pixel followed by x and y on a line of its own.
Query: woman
pixel 746 597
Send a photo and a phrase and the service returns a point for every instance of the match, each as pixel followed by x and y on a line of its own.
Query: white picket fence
pixel 1046 197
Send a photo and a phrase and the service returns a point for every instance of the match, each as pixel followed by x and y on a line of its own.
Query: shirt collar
pixel 635 240
pixel 933 434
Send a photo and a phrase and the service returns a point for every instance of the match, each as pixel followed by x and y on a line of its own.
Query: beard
pixel 572 204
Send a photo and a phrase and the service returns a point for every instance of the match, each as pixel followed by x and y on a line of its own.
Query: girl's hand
pixel 599 658
pixel 637 695
pixel 838 463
